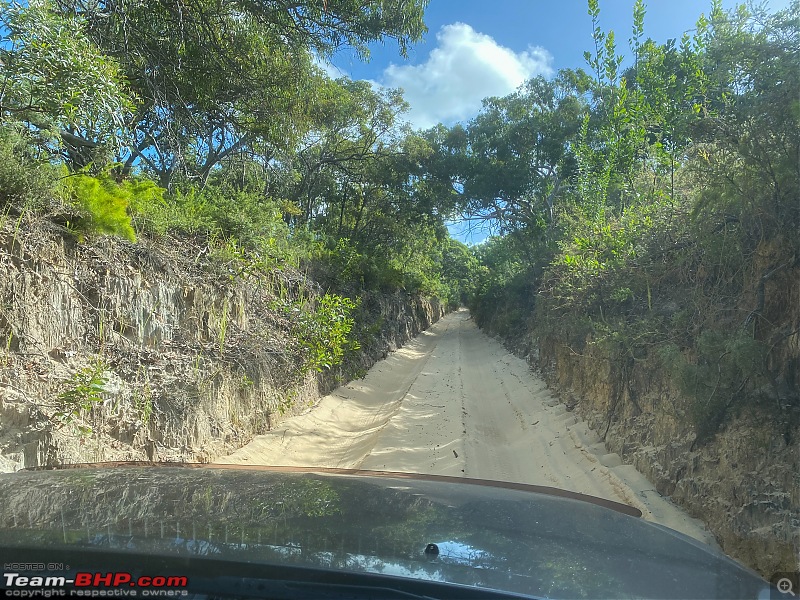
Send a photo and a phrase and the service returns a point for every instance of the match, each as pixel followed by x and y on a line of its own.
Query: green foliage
pixel 322 329
pixel 512 161
pixel 103 202
pixel 458 267
pixel 245 230
pixel 55 78
pixel 24 178
pixel 222 80
pixel 84 390
pixel 342 262
pixel 143 403
pixel 221 210
pixel 421 264
pixel 716 375
pixel 600 264
pixel 160 213
pixel 687 173
pixel 503 291
pixel 341 265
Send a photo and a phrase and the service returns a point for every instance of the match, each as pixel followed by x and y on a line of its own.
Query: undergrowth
pixel 321 329
pixel 83 392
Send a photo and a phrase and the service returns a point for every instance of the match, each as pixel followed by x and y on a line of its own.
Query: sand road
pixel 453 401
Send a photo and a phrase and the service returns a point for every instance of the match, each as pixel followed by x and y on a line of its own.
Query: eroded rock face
pixel 744 482
pixel 195 359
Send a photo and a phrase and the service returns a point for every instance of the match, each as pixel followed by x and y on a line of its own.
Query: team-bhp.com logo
pixel 94 585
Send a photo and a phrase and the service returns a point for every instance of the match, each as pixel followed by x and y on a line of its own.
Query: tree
pixel 353 127
pixel 220 78
pixel 748 148
pixel 58 82
pixel 511 163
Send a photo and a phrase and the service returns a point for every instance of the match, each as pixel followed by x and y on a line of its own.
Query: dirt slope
pixel 455 402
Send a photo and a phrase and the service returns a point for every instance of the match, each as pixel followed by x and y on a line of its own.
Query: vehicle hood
pixel 538 543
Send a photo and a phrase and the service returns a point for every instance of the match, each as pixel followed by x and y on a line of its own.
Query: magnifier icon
pixel 785 586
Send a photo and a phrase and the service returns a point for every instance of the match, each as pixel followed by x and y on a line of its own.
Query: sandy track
pixel 454 402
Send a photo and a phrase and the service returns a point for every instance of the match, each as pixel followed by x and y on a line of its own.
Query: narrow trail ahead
pixel 454 402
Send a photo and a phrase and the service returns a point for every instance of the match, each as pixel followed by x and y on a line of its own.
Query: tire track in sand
pixel 454 402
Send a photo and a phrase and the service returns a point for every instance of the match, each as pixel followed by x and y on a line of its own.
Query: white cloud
pixel 465 67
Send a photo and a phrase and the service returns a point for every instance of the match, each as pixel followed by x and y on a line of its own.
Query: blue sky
pixel 480 48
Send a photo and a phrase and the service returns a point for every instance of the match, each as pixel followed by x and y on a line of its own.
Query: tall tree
pixel 353 127
pixel 512 162
pixel 218 78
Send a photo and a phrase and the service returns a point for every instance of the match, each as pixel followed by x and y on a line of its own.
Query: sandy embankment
pixel 454 402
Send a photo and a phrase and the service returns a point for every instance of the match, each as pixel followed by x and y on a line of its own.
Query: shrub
pixel 242 226
pixel 724 367
pixel 323 332
pixel 104 202
pixel 83 392
pixel 23 178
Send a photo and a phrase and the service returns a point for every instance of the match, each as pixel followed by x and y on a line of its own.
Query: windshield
pixel 510 244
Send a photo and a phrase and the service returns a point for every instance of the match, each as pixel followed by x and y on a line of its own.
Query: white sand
pixel 454 402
